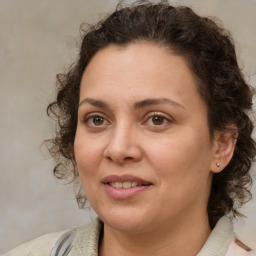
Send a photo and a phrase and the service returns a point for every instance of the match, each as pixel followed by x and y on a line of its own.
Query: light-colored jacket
pixel 84 241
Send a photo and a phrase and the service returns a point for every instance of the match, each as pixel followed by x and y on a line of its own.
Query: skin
pixel 166 143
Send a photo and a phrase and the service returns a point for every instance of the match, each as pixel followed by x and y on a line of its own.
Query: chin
pixel 125 220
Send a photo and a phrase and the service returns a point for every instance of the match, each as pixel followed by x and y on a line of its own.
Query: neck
pixel 182 239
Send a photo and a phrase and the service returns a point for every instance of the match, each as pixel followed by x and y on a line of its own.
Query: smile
pixel 125 180
pixel 126 184
pixel 125 187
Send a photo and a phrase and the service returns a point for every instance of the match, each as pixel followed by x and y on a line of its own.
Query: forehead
pixel 136 61
pixel 138 71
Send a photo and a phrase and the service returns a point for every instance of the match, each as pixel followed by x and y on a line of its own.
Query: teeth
pixel 117 184
pixel 126 184
pixel 134 184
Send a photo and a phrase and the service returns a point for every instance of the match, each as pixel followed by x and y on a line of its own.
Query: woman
pixel 153 122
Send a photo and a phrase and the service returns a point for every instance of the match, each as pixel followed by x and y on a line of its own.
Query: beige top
pixel 221 242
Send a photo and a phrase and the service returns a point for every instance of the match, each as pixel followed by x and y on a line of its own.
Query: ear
pixel 224 146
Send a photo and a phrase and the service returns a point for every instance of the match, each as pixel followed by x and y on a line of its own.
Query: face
pixel 142 143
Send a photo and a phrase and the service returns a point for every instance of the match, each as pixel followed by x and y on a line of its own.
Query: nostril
pixel 121 153
pixel 119 160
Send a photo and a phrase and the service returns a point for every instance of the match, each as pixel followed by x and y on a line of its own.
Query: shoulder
pixel 40 246
pixel 223 241
pixel 83 238
pixel 238 248
pixel 87 239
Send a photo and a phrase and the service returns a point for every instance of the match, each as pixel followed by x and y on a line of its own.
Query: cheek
pixel 179 156
pixel 182 170
pixel 87 155
pixel 87 161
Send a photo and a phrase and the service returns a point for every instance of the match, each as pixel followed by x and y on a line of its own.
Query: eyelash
pixel 165 118
pixel 89 118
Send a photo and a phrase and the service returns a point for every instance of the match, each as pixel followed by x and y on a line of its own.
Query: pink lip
pixel 123 178
pixel 124 193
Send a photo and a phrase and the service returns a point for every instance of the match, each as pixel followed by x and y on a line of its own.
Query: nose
pixel 123 146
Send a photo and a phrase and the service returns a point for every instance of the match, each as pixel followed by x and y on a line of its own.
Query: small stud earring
pixel 218 164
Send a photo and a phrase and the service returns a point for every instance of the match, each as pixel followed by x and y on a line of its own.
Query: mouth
pixel 125 187
pixel 125 181
pixel 126 184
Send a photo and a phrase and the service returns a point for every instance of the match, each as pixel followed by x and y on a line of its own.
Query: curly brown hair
pixel 210 51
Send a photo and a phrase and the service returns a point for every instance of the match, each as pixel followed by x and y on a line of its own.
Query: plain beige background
pixel 39 39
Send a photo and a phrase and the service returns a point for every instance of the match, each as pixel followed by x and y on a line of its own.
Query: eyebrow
pixel 136 105
pixel 95 103
pixel 157 101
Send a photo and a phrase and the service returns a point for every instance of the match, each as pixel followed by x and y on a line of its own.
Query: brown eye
pixel 94 121
pixel 158 120
pixel 97 120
